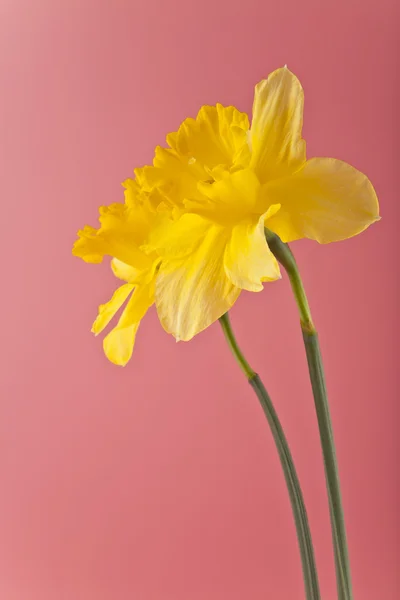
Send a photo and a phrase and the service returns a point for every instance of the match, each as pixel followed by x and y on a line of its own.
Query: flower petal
pixel 215 141
pixel 277 146
pixel 237 189
pixel 89 246
pixel 229 200
pixel 192 289
pixel 118 344
pixel 108 310
pixel 124 271
pixel 171 179
pixel 327 200
pixel 122 230
pixel 217 136
pixel 178 239
pixel 248 259
pixel 132 191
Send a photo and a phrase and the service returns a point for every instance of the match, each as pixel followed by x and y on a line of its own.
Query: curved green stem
pixel 342 563
pixel 292 481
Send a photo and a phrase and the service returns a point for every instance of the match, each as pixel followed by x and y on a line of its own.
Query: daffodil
pixel 123 231
pixel 191 235
pixel 222 181
pixel 191 230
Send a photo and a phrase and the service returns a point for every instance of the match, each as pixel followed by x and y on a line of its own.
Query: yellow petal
pixel 124 271
pixel 214 142
pixel 108 310
pixel 231 199
pixel 122 230
pixel 132 192
pixel 327 200
pixel 217 136
pixel 233 192
pixel 277 146
pixel 248 259
pixel 177 239
pixel 118 344
pixel 172 178
pixel 89 246
pixel 192 289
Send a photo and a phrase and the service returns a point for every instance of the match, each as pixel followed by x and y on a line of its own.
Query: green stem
pixel 284 255
pixel 292 481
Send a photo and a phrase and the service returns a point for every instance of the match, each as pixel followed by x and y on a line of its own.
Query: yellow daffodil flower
pixel 223 181
pixel 123 230
pixel 190 235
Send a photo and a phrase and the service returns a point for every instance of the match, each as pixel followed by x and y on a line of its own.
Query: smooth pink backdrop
pixel 160 481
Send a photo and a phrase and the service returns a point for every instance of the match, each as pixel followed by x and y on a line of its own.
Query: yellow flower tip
pixel 130 184
pixel 114 209
pixel 159 152
pixel 119 362
pixel 75 247
pixel 171 139
pixel 116 359
pixel 99 325
pixel 85 246
pixel 118 344
pixel 272 210
pixel 83 234
pixel 137 173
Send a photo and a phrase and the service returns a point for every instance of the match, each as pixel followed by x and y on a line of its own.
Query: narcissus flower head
pixel 210 194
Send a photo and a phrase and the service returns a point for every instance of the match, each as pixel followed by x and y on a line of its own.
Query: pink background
pixel 160 481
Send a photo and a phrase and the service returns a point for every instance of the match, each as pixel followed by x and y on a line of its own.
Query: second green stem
pixel 292 481
pixel 284 255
